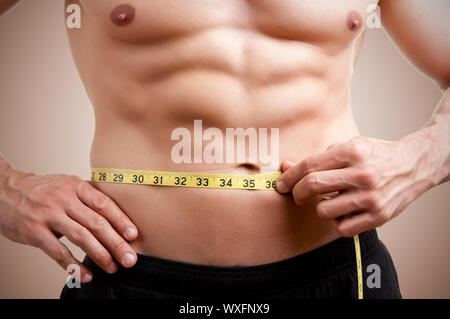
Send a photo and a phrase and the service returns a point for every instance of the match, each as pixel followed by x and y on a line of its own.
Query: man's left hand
pixel 374 181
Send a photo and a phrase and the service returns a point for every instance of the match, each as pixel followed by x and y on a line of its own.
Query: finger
pixel 323 182
pixel 56 250
pixel 355 224
pixel 106 207
pixel 333 146
pixel 82 238
pixel 327 160
pixel 103 231
pixel 285 165
pixel 346 203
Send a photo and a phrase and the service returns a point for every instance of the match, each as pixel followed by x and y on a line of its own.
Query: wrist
pixel 7 172
pixel 428 151
pixel 5 167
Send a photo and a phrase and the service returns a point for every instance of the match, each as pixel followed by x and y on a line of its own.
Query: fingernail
pixel 128 259
pixel 87 277
pixel 290 163
pixel 130 233
pixel 113 267
pixel 281 186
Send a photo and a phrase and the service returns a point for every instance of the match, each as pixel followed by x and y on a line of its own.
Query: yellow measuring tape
pixel 261 181
pixel 358 266
pixel 183 179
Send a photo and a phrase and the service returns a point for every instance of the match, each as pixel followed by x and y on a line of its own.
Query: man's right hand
pixel 38 210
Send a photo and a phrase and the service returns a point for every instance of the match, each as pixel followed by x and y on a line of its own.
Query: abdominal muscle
pixel 215 226
pixel 136 114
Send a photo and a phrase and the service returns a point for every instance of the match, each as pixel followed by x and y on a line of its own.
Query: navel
pixel 123 14
pixel 354 20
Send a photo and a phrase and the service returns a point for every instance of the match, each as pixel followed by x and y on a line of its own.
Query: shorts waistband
pixel 177 277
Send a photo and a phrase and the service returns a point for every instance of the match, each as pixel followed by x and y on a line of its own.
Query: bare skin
pixel 150 67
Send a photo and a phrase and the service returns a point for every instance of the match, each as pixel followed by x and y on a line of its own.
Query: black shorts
pixel 326 272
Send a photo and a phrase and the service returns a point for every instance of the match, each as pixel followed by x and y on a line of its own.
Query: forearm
pixel 5 5
pixel 429 147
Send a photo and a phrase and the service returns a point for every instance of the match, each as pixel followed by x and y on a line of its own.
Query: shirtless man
pixel 152 66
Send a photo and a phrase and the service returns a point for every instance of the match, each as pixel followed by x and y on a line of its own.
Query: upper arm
pixel 421 29
pixel 5 5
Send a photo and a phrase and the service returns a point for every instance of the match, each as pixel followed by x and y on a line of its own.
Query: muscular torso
pixel 257 63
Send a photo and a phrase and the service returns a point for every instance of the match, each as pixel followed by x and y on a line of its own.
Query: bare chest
pixel 303 20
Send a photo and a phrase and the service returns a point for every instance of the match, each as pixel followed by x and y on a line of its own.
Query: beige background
pixel 46 126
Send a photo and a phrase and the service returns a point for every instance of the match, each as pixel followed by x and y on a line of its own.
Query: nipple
pixel 354 20
pixel 122 15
